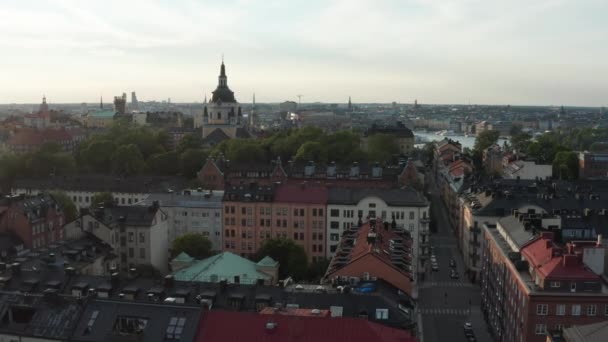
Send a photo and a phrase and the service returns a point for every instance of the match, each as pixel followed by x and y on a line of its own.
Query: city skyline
pixel 375 51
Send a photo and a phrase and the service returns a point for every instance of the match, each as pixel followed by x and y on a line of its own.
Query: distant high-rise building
pixel 350 104
pixel 120 104
pixel 134 102
pixel 101 102
pixel 253 114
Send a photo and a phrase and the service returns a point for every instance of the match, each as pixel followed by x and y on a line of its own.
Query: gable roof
pixel 267 261
pixel 301 193
pixel 357 248
pixel 183 257
pixel 225 265
pixel 216 137
pixel 252 327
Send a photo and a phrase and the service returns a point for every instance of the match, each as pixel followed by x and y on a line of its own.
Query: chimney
pixel 354 170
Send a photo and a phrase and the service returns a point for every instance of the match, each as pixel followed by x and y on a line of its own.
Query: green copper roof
pixel 103 114
pixel 268 261
pixel 222 266
pixel 183 257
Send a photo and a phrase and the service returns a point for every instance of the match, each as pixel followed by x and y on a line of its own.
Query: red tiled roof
pixel 549 260
pixel 301 193
pixel 295 312
pixel 365 255
pixel 225 326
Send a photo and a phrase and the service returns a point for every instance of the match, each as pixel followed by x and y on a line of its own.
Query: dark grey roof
pixel 141 216
pixel 249 193
pixel 39 316
pixel 101 183
pixel 393 197
pixel 242 133
pixel 216 137
pixel 515 229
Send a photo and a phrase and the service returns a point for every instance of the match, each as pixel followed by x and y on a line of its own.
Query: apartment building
pixel 532 284
pixel 192 211
pixel 404 209
pixel 37 220
pixel 138 235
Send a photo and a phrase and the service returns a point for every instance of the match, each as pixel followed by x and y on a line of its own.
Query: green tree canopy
pixel 101 199
pixel 166 163
pixel 194 244
pixel 127 161
pixel 291 257
pixel 69 208
pixel 565 165
pixel 485 139
pixel 382 147
pixel 190 141
pixel 311 151
pixel 191 161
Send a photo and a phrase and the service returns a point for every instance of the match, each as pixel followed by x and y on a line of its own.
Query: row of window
pixel 200 214
pixel 347 213
pixel 560 310
pixel 316 212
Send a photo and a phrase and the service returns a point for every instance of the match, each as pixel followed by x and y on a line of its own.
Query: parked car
pixel 468 327
pixel 435 267
pixel 452 263
pixel 454 274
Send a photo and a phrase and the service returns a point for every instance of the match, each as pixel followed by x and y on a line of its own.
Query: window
pixel 314 211
pixel 232 209
pixel 142 237
pixel 131 236
pixel 542 309
pixel 175 328
pixel 243 222
pixel 278 223
pixel 576 309
pixel 131 252
pixel 560 309
pixel 320 236
pixel 372 205
pixel 301 212
pixel 591 310
pixel 284 223
pixel 334 225
pixel 381 314
pixel 320 248
pixel 320 212
pixel 142 253
pixel 605 310
pixel 572 287
pixel 541 329
pixel 559 327
pixel 249 211
pixel 314 236
pixel 336 237
pixel 227 221
pixel 295 212
pixel 412 214
pixel 261 222
pixel 261 210
pixel 243 210
pixel 314 248
pixel 295 236
pixel 334 213
pixel 555 284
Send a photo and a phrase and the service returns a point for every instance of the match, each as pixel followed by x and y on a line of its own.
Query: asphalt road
pixel 446 304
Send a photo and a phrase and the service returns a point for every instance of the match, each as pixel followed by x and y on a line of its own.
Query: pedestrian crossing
pixel 444 311
pixel 445 284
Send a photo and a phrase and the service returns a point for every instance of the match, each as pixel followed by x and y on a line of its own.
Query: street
pixel 445 304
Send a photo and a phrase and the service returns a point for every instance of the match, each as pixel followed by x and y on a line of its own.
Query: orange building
pixel 254 213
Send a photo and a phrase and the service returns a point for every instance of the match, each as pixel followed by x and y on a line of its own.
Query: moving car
pixel 454 274
pixel 435 267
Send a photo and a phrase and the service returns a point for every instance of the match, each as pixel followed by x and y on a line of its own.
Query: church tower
pixel 222 112
pixel 253 115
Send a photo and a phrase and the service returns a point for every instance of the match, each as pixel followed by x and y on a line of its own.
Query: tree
pixel 484 140
pixel 521 141
pixel 291 257
pixel 191 161
pixel 189 141
pixel 66 203
pixel 317 270
pixel 166 163
pixel 101 199
pixel 382 147
pixel 565 165
pixel 96 155
pixel 127 160
pixel 515 129
pixel 194 244
pixel 312 150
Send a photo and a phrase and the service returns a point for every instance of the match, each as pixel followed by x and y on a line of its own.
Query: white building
pixel 138 235
pixel 520 169
pixel 406 207
pixel 192 211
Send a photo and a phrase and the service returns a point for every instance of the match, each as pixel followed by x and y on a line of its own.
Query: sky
pixel 518 52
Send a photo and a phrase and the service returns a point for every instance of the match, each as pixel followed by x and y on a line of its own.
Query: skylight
pixel 176 327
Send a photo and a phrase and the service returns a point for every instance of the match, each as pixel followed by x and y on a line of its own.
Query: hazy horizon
pixel 546 52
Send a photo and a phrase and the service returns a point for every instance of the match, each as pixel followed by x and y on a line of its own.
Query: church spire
pixel 101 102
pixel 223 79
pixel 350 104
